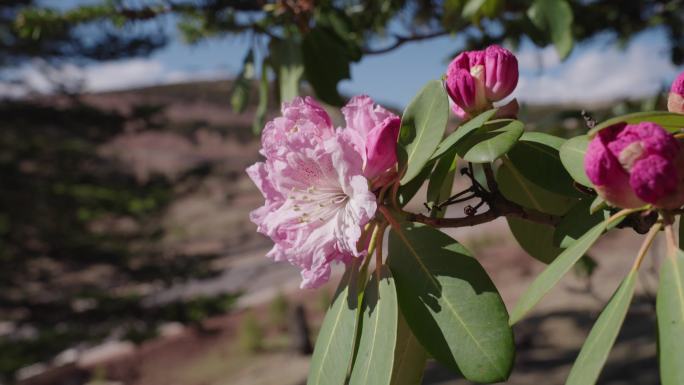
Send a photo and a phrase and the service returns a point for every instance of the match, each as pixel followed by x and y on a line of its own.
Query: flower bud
pixel 501 69
pixel 476 79
pixel 381 146
pixel 634 164
pixel 675 100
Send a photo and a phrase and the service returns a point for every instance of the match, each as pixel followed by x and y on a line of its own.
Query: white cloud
pixel 598 74
pixel 38 77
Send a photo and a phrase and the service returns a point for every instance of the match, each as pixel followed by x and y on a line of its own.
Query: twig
pixel 401 40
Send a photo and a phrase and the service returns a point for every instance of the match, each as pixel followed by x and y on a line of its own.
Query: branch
pixel 401 40
pixel 498 207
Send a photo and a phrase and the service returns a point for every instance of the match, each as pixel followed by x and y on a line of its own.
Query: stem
pixel 378 252
pixel 671 239
pixel 646 245
pixel 491 180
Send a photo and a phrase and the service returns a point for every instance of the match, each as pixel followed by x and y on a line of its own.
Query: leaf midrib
pixel 414 149
pixel 401 234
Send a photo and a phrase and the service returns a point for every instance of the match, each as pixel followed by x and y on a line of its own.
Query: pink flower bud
pixel 501 70
pixel 634 164
pixel 374 131
pixel 675 101
pixel 381 146
pixel 476 79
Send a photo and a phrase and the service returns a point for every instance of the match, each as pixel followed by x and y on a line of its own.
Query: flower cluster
pixel 477 79
pixel 316 181
pixel 634 164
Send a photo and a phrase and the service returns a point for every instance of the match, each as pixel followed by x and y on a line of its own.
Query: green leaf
pixel 597 204
pixel 603 334
pixel 555 271
pixel 379 321
pixel 335 344
pixel 515 187
pixel 536 157
pixel 422 127
pixel 409 190
pixel 554 17
pixel 441 181
pixel 262 107
pixel 473 124
pixel 490 141
pixel 669 120
pixel 670 315
pixel 451 305
pixel 326 62
pixel 471 8
pixel 572 156
pixel 409 357
pixel 243 84
pixel 287 57
pixel 576 222
pixel 535 238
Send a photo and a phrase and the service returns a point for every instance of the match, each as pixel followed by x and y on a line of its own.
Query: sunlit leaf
pixel 450 303
pixel 670 121
pixel 670 314
pixel 378 335
pixel 602 336
pixel 489 142
pixel 335 344
pixel 555 271
pixel 572 156
pixel 466 128
pixel 422 127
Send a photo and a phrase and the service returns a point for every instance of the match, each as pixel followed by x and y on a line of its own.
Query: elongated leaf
pixel 572 156
pixel 260 114
pixel 287 55
pixel 555 17
pixel 535 238
pixel 243 84
pixel 422 127
pixel 450 303
pixel 489 142
pixel 466 128
pixel 335 344
pixel 670 314
pixel 380 317
pixel 555 271
pixel 409 190
pixel 441 181
pixel 669 120
pixel 536 157
pixel 603 334
pixel 514 186
pixel 576 222
pixel 326 61
pixel 409 357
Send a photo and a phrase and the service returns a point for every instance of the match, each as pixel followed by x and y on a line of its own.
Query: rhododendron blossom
pixel 477 79
pixel 316 182
pixel 635 164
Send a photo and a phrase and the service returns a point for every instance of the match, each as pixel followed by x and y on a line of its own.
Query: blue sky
pixel 596 71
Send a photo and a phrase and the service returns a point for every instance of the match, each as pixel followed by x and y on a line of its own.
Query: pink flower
pixel 477 79
pixel 675 100
pixel 635 164
pixel 317 200
pixel 374 130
